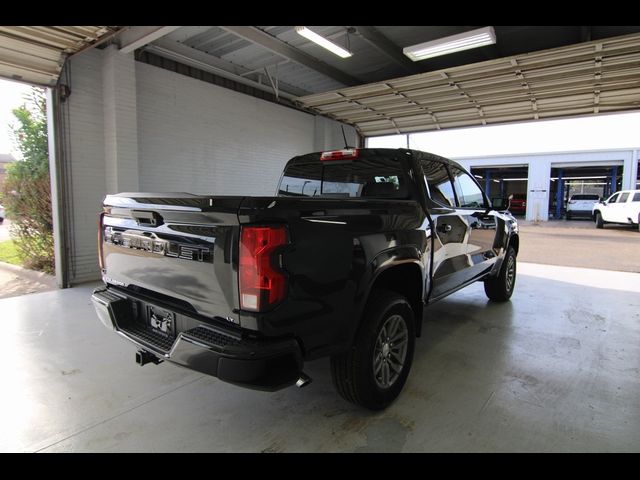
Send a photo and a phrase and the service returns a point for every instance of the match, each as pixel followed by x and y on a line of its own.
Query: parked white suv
pixel 621 207
pixel 581 205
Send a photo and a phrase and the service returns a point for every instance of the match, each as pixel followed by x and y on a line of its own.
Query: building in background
pixel 5 160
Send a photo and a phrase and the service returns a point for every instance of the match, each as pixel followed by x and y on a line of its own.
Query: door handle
pixel 444 228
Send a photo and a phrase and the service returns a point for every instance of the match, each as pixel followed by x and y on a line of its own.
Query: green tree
pixel 27 189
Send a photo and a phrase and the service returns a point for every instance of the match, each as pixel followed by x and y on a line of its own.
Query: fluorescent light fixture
pixel 323 42
pixel 454 43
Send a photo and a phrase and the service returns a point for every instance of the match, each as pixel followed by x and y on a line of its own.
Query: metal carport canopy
pixel 36 54
pixel 587 78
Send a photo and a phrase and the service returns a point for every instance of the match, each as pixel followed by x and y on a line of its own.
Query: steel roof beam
pixel 387 47
pixel 258 37
pixel 194 57
pixel 133 38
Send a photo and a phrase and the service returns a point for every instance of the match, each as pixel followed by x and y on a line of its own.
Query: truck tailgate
pixel 176 247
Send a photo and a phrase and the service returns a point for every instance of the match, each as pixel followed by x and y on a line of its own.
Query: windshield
pixel 379 177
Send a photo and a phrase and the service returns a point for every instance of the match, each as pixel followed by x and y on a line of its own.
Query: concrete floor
pixel 578 243
pixel 557 369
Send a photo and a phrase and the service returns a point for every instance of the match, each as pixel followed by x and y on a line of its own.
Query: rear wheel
pixel 373 372
pixel 599 221
pixel 500 288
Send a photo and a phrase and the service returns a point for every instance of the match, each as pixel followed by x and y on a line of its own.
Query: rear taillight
pixel 262 283
pixel 334 155
pixel 100 241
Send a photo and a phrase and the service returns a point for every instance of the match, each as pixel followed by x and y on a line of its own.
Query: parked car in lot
pixel 622 207
pixel 518 205
pixel 1 214
pixel 341 263
pixel 581 205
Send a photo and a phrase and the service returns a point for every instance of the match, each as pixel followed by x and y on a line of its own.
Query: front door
pixel 473 207
pixel 451 230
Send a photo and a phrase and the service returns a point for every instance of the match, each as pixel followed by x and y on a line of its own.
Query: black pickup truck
pixel 341 263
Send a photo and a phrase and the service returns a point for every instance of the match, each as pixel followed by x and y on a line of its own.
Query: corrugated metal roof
pixel 36 54
pixel 587 78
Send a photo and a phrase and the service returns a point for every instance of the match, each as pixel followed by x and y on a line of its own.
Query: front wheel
pixel 500 287
pixel 373 372
pixel 599 221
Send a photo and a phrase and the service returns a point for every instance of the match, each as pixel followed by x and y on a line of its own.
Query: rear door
pixel 622 212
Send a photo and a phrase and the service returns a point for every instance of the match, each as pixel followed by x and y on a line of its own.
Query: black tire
pixel 354 372
pixel 599 221
pixel 500 287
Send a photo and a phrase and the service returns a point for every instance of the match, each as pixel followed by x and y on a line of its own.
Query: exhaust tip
pixel 303 381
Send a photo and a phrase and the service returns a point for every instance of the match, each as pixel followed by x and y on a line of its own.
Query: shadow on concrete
pixel 554 369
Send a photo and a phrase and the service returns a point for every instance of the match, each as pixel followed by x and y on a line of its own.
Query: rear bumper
pixel 257 364
pixel 580 213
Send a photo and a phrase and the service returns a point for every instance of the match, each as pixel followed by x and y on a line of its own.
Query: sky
pixel 585 133
pixel 11 94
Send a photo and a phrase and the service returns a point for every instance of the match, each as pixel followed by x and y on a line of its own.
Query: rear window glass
pixel 623 197
pixel 636 197
pixel 585 196
pixel 379 177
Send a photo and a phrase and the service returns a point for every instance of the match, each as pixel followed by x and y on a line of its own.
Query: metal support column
pixel 614 180
pixel 559 195
pixel 487 183
pixel 58 185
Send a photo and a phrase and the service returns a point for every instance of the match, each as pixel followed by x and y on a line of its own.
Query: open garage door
pixel 584 180
pixel 36 54
pixel 500 182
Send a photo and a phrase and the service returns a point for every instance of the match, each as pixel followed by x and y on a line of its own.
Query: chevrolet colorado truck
pixel 341 263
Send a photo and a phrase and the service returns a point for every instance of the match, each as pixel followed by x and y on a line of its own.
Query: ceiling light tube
pixel 323 42
pixel 454 43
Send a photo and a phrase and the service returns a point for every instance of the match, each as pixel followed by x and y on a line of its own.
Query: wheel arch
pixel 406 279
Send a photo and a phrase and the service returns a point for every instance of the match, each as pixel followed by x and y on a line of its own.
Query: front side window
pixel 613 198
pixel 469 194
pixel 439 183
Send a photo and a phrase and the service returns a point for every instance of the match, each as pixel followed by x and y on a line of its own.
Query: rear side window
pixel 439 183
pixel 636 197
pixel 376 177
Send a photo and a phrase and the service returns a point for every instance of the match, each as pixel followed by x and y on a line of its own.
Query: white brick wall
pixel 86 159
pixel 133 126
pixel 200 138
pixel 120 121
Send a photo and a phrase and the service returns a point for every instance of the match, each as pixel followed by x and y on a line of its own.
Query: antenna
pixel 346 145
